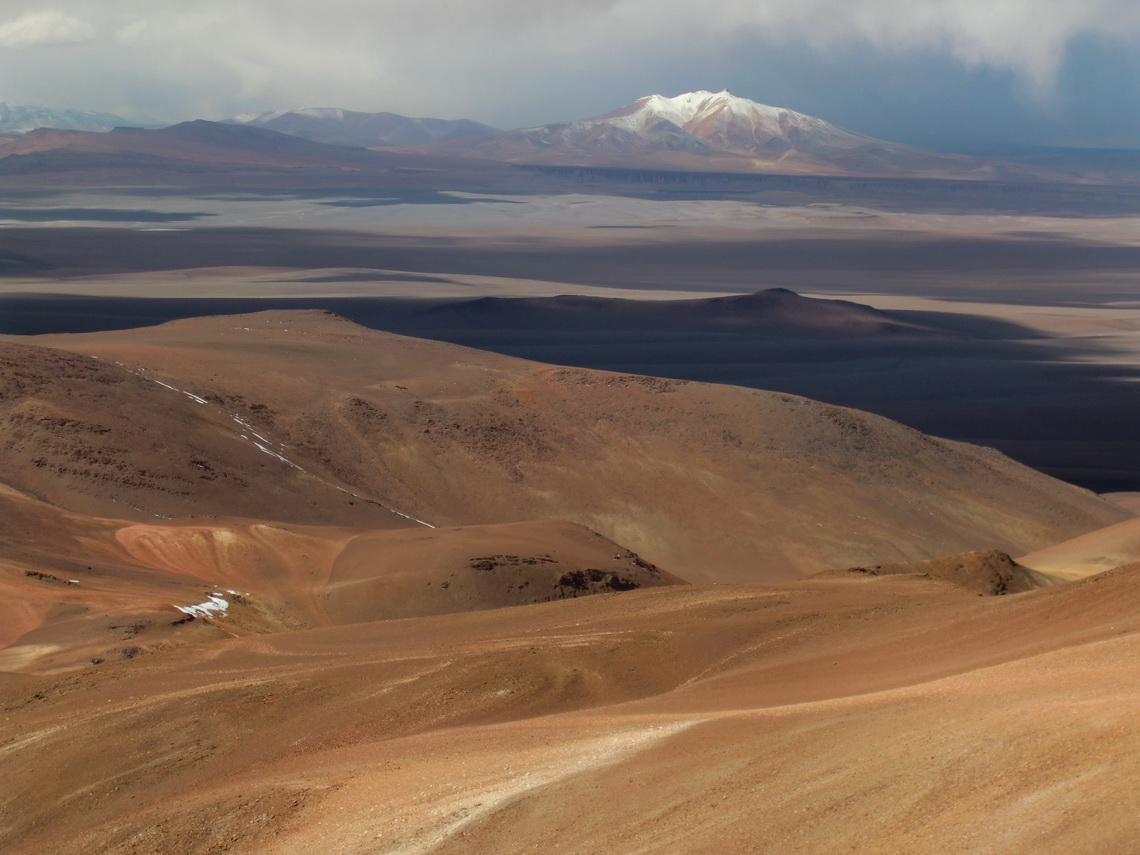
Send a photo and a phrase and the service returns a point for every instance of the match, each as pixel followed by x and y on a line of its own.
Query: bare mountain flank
pixel 95 437
pixel 714 483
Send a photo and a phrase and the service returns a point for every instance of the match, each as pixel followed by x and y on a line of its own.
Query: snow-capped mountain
pixel 714 131
pixel 21 118
pixel 724 122
pixel 369 130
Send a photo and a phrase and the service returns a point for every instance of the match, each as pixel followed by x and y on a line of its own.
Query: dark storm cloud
pixel 940 70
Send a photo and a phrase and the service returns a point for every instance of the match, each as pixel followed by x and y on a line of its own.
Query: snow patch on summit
pixel 689 107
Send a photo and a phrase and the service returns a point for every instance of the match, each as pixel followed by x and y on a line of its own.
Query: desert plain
pixel 440 506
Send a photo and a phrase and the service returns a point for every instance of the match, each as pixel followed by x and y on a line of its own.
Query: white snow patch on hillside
pixel 216 603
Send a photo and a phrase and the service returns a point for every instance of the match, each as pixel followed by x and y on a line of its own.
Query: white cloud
pixel 48 28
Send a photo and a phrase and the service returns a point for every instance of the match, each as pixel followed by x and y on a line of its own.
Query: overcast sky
pixel 955 74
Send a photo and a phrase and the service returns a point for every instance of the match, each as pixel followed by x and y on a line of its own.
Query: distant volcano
pixel 719 131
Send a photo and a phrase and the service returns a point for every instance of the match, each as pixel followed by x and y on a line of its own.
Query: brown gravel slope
pixel 96 437
pixel 1090 553
pixel 715 483
pixel 78 592
pixel 986 571
pixel 874 715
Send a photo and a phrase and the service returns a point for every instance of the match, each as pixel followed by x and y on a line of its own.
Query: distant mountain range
pixel 369 130
pixel 706 131
pixel 21 118
pixel 212 153
pixel 693 132
pixel 197 142
pixel 330 125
